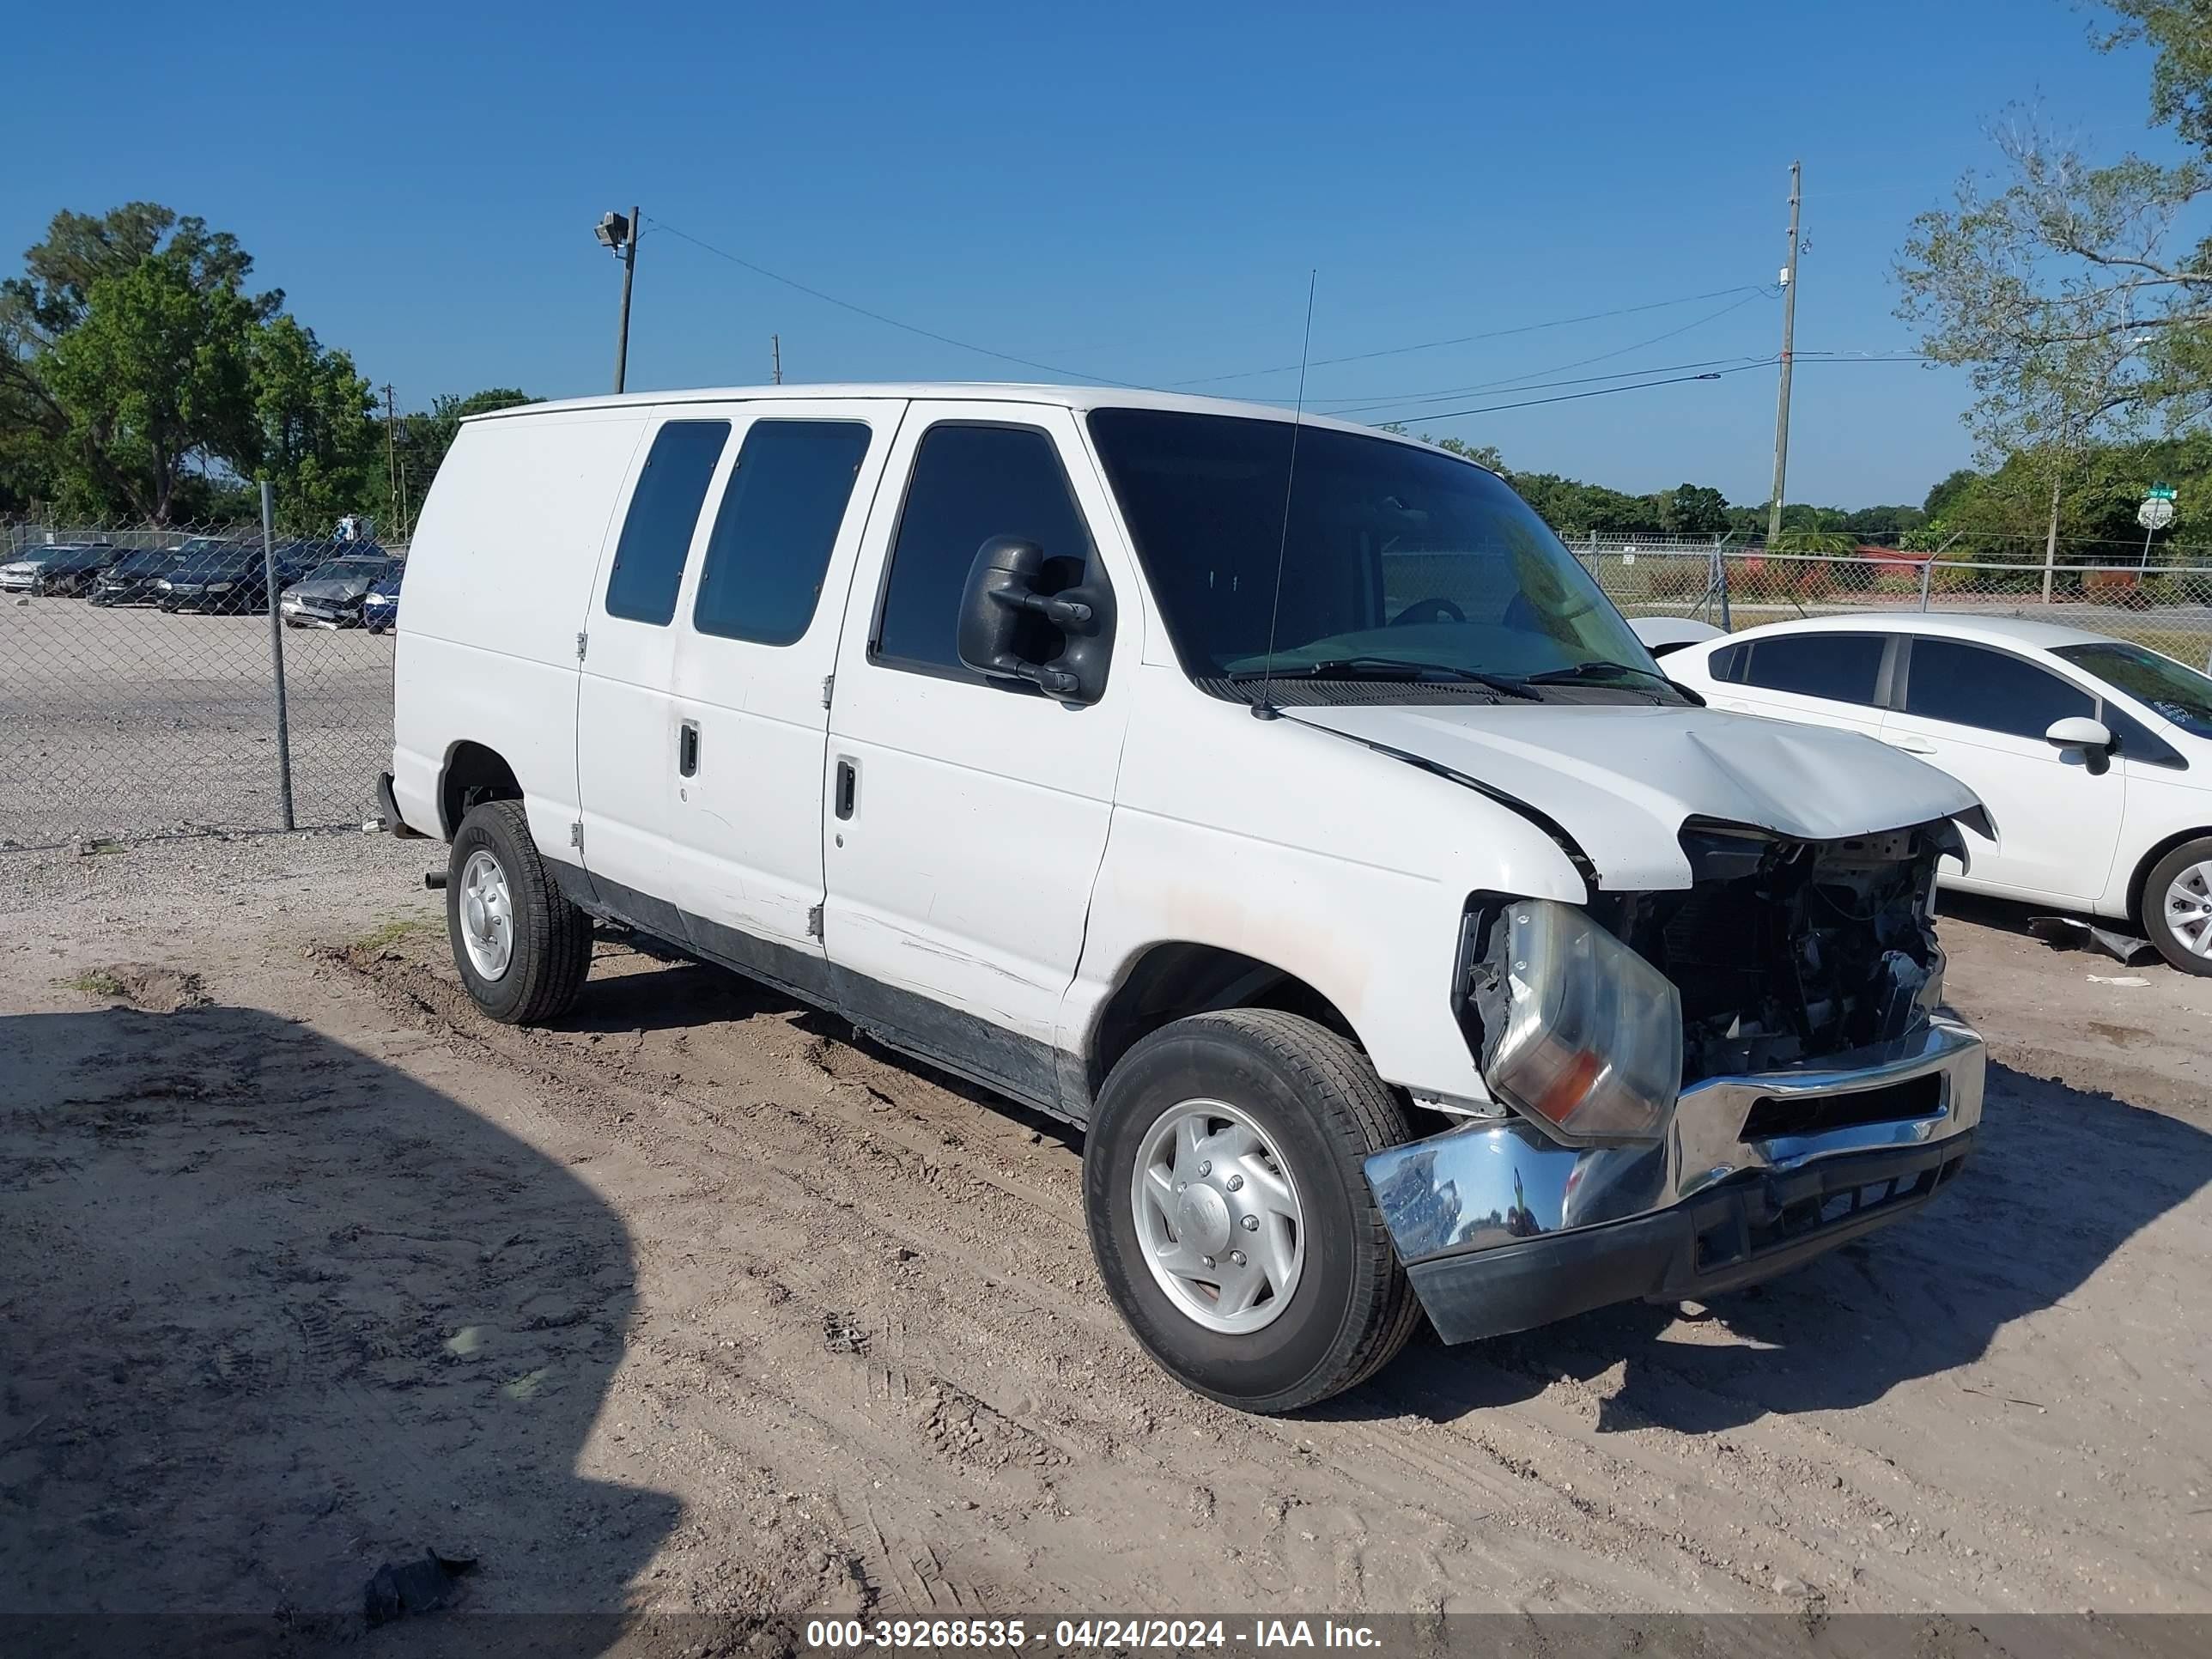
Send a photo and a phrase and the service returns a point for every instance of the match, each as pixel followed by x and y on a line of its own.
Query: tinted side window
pixel 1843 667
pixel 1727 664
pixel 970 484
pixel 664 510
pixel 772 533
pixel 1970 686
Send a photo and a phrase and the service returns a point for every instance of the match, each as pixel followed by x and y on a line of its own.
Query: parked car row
pixel 318 584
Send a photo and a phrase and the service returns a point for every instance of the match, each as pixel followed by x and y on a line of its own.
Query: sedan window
pixel 1969 685
pixel 1841 667
pixel 2178 692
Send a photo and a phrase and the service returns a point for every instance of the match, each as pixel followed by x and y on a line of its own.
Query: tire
pixel 549 939
pixel 1318 1106
pixel 2166 913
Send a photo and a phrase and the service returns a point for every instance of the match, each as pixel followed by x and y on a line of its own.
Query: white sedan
pixel 2093 756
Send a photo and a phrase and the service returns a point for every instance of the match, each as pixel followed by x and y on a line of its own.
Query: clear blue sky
pixel 1133 191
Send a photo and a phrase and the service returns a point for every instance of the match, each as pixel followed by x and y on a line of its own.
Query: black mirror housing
pixel 1015 625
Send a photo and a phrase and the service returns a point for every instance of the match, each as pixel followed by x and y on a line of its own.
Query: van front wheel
pixel 1229 1214
pixel 523 950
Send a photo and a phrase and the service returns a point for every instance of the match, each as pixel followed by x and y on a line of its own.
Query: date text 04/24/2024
pixel 1075 1635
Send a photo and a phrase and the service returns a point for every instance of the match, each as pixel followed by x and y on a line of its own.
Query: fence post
pixel 276 650
pixel 1927 575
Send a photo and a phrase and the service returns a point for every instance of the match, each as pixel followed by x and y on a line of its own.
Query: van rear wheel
pixel 1229 1214
pixel 523 950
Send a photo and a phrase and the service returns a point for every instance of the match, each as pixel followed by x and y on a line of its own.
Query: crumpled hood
pixel 1620 780
pixel 330 590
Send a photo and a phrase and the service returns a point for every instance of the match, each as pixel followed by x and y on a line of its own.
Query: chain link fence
pixel 142 669
pixel 2165 606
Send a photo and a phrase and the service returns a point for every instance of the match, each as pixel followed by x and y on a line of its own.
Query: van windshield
pixel 1400 565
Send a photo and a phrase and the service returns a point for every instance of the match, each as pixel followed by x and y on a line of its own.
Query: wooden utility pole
pixel 1789 333
pixel 775 357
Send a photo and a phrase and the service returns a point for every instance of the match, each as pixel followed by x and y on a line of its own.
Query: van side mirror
pixel 1012 627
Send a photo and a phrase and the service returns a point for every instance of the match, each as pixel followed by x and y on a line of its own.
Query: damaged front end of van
pixel 1694 1089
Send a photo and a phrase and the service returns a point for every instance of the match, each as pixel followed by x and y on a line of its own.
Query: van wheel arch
pixel 473 774
pixel 1174 980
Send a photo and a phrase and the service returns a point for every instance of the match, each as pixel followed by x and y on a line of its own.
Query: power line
pixel 1491 334
pixel 1516 380
pixel 1727 365
pixel 1740 361
pixel 1601 392
pixel 878 316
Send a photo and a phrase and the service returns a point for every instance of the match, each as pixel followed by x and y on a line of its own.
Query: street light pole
pixel 619 236
pixel 629 270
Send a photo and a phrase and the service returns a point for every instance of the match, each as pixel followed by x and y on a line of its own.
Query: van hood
pixel 1619 779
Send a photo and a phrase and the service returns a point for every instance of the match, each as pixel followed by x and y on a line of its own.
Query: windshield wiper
pixel 1592 670
pixel 1385 668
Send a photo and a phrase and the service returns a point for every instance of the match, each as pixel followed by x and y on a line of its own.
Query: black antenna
pixel 1265 708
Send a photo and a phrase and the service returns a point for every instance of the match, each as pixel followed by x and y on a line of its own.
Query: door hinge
pixel 576 835
pixel 581 639
pixel 814 922
pixel 829 683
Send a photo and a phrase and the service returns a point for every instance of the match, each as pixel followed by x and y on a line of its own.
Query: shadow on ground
pixel 2060 1178
pixel 276 1314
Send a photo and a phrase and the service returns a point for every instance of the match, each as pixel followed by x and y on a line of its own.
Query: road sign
pixel 2156 513
pixel 2161 492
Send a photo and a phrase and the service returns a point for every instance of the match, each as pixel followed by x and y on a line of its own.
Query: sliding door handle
pixel 849 787
pixel 687 749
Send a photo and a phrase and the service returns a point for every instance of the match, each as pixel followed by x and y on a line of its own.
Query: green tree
pixel 311 435
pixel 1941 495
pixel 123 352
pixel 151 384
pixel 1827 543
pixel 1691 509
pixel 2075 293
pixel 1884 520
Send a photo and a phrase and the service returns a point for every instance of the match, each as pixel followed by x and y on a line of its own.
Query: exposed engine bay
pixel 1785 950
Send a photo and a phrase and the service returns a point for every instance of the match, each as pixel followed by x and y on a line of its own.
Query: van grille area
pixel 1777 1116
pixel 1768 1221
pixel 1786 949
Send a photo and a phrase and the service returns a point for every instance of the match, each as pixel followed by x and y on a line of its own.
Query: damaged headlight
pixel 1577 1028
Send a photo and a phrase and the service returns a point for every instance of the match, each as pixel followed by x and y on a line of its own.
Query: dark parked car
pixel 227 579
pixel 379 608
pixel 130 578
pixel 331 594
pixel 56 568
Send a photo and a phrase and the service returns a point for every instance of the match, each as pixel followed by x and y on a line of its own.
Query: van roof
pixel 1078 397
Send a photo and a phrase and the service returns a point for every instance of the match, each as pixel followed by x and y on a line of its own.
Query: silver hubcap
pixel 486 915
pixel 2189 908
pixel 1218 1216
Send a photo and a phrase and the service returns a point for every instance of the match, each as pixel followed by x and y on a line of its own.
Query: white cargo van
pixel 1280 802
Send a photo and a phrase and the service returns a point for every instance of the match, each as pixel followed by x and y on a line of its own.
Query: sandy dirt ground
pixel 696 1304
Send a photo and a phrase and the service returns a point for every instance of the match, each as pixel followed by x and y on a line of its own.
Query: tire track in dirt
pixel 1088 1388
pixel 959 1233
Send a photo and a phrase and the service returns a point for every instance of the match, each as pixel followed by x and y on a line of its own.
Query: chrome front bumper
pixel 1501 1228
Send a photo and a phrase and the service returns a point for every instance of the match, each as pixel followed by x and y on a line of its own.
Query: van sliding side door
pixel 756 651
